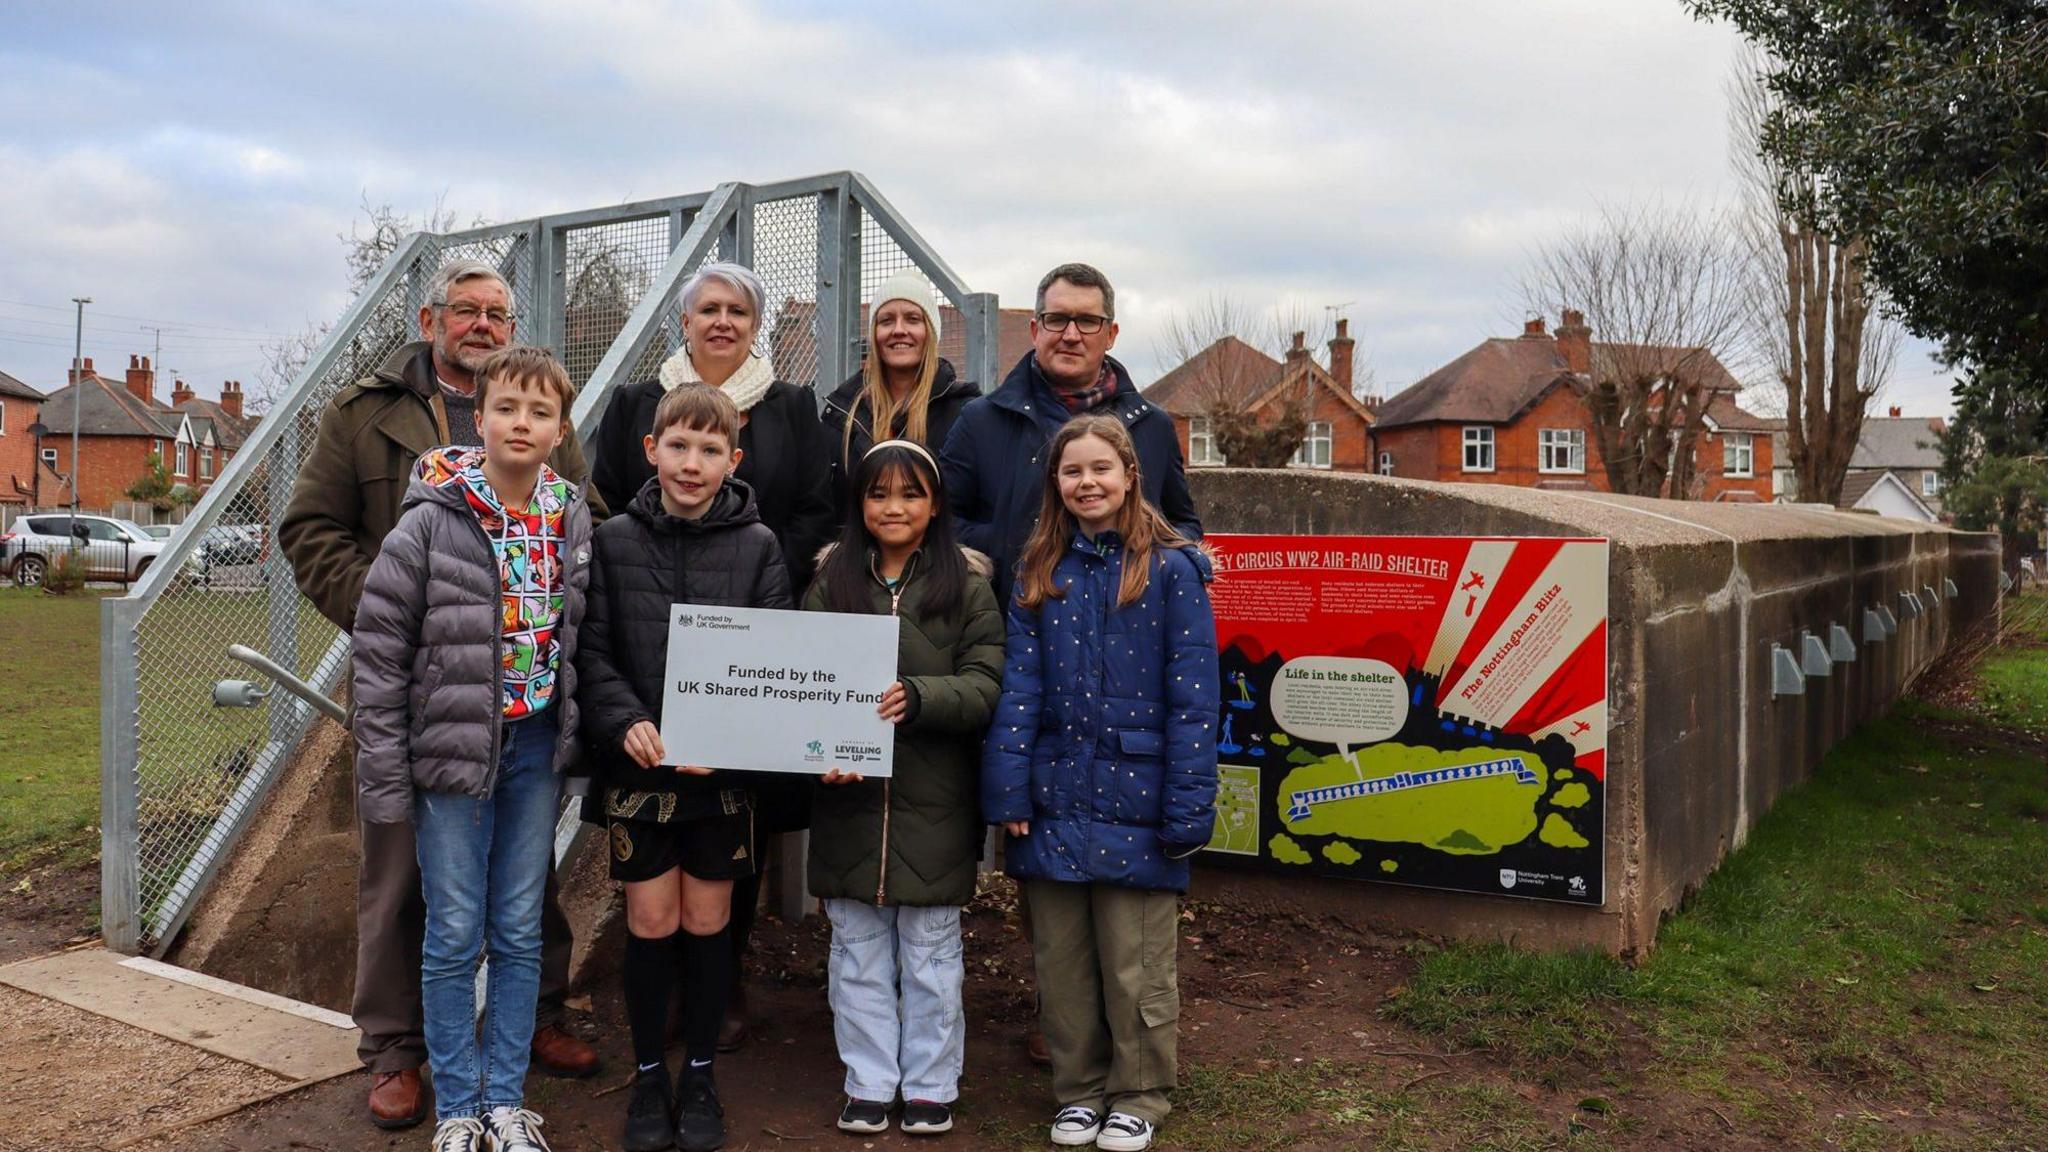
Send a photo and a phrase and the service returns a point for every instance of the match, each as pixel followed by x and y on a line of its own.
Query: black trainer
pixel 700 1119
pixel 650 1121
pixel 926 1117
pixel 863 1116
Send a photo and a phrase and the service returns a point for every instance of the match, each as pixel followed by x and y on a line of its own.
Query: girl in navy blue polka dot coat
pixel 1102 756
pixel 1101 767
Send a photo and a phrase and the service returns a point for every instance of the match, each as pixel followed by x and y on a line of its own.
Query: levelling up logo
pixel 856 753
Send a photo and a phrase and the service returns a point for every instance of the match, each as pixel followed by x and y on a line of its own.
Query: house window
pixel 1201 444
pixel 1738 455
pixel 50 458
pixel 1314 451
pixel 1386 463
pixel 157 446
pixel 206 463
pixel 1930 483
pixel 3 419
pixel 1479 449
pixel 184 460
pixel 1561 449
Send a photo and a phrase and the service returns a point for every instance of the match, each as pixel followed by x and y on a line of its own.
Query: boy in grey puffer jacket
pixel 465 643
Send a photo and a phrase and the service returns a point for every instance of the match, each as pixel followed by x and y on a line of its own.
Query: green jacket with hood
pixel 915 838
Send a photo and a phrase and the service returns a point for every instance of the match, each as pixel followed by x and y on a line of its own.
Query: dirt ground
pixel 1287 1054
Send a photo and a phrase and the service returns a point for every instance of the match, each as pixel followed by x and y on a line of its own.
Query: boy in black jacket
pixel 679 836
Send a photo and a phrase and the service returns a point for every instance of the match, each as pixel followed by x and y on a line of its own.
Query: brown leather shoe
pixel 732 1030
pixel 557 1053
pixel 397 1099
pixel 1034 1045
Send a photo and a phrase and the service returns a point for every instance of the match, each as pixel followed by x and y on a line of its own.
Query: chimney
pixel 1532 328
pixel 231 398
pixel 1300 349
pixel 180 392
pixel 1575 342
pixel 142 379
pixel 77 373
pixel 1340 355
pixel 1895 411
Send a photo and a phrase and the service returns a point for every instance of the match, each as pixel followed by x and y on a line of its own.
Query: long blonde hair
pixel 1140 525
pixel 882 407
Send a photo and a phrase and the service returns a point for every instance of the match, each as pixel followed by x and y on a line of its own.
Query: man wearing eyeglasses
pixel 347 497
pixel 994 456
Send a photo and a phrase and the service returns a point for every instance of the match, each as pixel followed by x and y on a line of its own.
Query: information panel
pixel 772 690
pixel 1427 710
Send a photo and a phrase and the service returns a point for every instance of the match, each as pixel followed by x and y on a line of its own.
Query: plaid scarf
pixel 1086 397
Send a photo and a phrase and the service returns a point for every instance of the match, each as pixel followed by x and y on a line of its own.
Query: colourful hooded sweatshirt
pixel 527 543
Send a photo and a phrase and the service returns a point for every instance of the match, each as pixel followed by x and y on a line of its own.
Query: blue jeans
pixel 894 983
pixel 483 867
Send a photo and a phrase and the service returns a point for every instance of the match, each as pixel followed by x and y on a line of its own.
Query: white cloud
pixel 1402 159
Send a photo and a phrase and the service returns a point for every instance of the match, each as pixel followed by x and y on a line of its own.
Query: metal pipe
pixel 289 682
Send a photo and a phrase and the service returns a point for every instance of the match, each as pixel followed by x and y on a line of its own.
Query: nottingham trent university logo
pixel 1507 877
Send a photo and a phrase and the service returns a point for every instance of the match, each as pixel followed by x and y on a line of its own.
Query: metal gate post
pixel 120 787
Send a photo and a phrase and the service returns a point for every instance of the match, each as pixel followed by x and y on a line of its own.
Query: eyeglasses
pixel 469 313
pixel 1057 322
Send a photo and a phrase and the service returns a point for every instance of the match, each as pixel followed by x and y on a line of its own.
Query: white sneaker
pixel 1123 1132
pixel 515 1130
pixel 1076 1126
pixel 459 1134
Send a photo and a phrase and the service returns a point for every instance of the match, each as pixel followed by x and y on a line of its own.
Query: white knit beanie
pixel 910 285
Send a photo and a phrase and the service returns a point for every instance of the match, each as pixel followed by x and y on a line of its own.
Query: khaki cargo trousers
pixel 1108 993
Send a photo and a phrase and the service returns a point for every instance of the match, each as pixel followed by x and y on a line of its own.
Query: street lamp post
pixel 77 394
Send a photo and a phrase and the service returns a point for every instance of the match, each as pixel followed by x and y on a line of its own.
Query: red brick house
pixel 121 424
pixel 18 404
pixel 1233 372
pixel 1507 412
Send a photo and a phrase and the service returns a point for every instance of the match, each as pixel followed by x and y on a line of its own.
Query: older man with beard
pixel 346 499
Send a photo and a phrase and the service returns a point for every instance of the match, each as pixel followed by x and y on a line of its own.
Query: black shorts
pixel 715 847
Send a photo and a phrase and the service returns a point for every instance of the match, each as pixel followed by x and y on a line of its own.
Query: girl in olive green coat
pixel 894 860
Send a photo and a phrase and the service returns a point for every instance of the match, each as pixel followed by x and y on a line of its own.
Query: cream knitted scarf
pixel 746 386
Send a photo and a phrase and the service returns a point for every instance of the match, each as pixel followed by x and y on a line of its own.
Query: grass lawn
pixel 1883 935
pixel 50 742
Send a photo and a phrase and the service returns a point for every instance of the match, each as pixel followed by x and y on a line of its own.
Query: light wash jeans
pixel 894 984
pixel 483 867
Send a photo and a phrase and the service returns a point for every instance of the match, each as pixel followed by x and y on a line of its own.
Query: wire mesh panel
pixel 607 269
pixel 200 770
pixel 786 260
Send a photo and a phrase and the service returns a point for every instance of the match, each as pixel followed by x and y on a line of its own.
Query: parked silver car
pixel 110 549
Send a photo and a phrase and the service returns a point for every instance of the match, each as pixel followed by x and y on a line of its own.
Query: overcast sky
pixel 189 165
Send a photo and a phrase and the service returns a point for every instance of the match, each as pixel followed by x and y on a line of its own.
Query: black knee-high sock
pixel 746 897
pixel 650 971
pixel 707 978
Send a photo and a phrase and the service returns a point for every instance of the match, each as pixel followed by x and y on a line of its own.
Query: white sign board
pixel 770 690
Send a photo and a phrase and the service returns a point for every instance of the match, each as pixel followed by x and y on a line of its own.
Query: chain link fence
pixel 181 778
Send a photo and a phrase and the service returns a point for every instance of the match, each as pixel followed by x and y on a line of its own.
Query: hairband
pixel 913 445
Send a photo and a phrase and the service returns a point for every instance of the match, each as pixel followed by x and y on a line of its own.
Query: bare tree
pixel 1660 287
pixel 381 230
pixel 283 359
pixel 1214 341
pixel 1811 319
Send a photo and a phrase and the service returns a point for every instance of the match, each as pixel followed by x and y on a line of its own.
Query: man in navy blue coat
pixel 994 458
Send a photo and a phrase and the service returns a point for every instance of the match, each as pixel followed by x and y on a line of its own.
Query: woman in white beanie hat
pixel 904 389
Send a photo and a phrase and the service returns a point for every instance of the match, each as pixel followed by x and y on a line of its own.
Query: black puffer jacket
pixel 784 458
pixel 642 563
pixel 846 404
pixel 915 838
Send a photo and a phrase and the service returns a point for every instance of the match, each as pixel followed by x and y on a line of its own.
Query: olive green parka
pixel 916 837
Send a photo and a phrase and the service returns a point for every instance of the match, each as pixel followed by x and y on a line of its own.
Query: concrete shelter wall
pixel 1699 593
